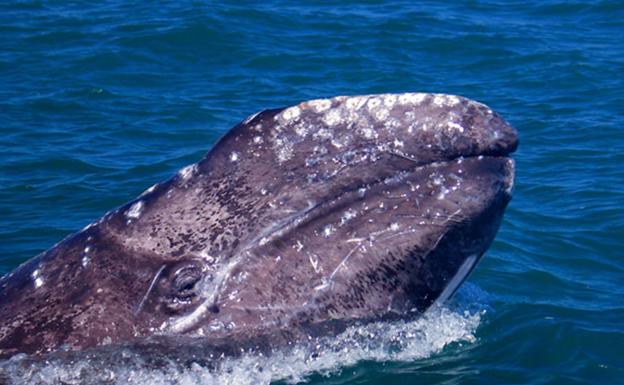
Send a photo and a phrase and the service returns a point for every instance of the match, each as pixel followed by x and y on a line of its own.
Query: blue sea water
pixel 99 100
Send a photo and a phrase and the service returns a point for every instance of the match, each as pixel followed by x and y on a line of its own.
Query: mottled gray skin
pixel 332 211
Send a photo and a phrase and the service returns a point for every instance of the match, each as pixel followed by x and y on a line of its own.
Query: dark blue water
pixel 99 101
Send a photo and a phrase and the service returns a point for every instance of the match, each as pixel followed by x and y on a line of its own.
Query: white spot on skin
pixel 381 114
pixel 332 117
pixel 301 130
pixel 85 258
pixel 452 100
pixel 135 210
pixel 258 139
pixel 207 257
pixel 36 276
pixel 328 230
pixel 284 151
pixel 323 133
pixel 233 157
pixel 188 171
pixel 390 100
pixel 394 226
pixel 319 105
pixel 412 98
pixel 438 180
pixel 290 113
pixel 456 126
pixel 340 142
pixel 413 187
pixel 443 193
pixel 392 124
pixel 347 216
pixel 439 100
pixel 373 103
pixel 398 143
pixel 356 102
pixel 368 132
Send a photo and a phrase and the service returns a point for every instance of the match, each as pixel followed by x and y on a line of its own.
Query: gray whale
pixel 300 221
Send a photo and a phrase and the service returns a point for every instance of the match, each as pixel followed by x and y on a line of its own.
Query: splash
pixel 398 341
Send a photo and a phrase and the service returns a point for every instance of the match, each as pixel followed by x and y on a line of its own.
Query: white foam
pixel 398 341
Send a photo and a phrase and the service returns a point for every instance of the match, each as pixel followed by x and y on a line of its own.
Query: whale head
pixel 333 210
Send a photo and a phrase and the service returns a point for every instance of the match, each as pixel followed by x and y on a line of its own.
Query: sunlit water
pixel 98 102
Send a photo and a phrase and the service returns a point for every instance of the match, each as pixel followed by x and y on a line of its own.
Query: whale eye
pixel 181 286
pixel 185 282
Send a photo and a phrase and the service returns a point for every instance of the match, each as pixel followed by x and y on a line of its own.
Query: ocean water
pixel 99 100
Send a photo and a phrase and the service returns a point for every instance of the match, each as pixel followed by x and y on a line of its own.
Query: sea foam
pixel 396 341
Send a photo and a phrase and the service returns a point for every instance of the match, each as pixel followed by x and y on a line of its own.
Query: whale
pixel 300 221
